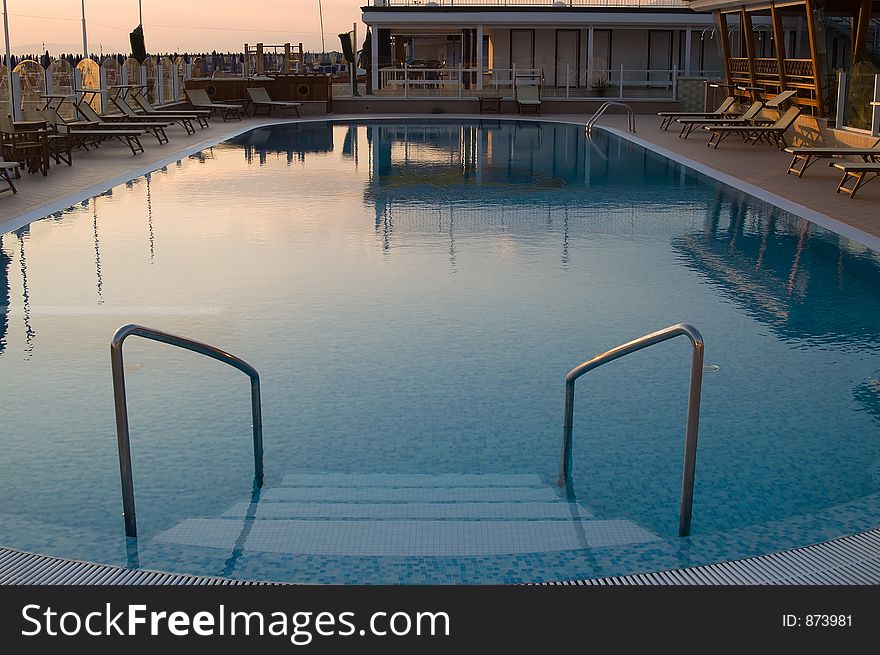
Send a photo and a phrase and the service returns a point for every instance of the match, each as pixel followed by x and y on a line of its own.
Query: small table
pixel 490 103
pixel 55 100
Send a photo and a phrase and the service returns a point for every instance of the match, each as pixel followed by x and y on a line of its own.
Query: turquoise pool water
pixel 413 295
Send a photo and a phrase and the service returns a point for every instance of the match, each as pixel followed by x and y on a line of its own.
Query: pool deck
pixel 760 167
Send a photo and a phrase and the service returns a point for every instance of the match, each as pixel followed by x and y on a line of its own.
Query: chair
pixel 527 92
pixel 60 143
pixel 772 134
pixel 130 115
pixel 199 99
pixel 806 157
pixel 720 112
pixel 260 99
pixel 5 167
pixel 30 147
pixel 201 116
pixel 82 135
pixel 156 128
pixel 748 117
pixel 860 172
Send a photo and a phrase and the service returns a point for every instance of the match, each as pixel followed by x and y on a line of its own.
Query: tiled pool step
pixel 375 515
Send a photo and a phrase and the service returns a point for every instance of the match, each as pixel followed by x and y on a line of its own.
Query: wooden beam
pixel 721 27
pixel 778 45
pixel 814 55
pixel 745 28
pixel 860 30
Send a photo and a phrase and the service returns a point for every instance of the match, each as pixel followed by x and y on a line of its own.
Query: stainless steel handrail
pixel 122 433
pixel 693 411
pixel 631 117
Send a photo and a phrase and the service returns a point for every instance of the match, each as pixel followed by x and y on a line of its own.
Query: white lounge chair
pixel 527 91
pixel 261 100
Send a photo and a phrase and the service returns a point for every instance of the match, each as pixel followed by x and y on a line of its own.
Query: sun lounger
pixel 132 116
pixel 156 128
pixel 805 157
pixel 199 99
pixel 772 134
pixel 199 115
pixel 82 135
pixel 720 112
pixel 5 168
pixel 748 117
pixel 527 90
pixel 261 100
pixel 860 172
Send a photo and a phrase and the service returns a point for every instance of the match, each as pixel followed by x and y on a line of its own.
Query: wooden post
pixel 814 55
pixel 286 67
pixel 860 30
pixel 721 26
pixel 746 33
pixel 778 45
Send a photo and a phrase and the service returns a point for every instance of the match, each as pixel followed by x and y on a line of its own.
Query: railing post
pixel 875 108
pixel 460 80
pixel 675 82
pixel 405 80
pixel 15 100
pixel 621 82
pixel 840 118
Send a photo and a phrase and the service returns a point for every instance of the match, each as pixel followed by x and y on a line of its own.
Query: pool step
pixel 391 515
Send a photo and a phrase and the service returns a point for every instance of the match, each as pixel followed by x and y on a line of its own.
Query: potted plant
pixel 600 85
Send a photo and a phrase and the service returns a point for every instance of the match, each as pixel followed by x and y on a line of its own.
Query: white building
pixel 578 47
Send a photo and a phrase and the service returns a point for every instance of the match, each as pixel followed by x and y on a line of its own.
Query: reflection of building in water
pixel 294 140
pixel 786 273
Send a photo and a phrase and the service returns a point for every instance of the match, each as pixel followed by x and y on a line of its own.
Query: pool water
pixel 413 294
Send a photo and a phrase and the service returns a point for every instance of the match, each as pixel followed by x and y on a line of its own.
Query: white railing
pixel 459 82
pixel 683 4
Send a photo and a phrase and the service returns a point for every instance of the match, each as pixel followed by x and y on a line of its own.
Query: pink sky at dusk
pixel 179 25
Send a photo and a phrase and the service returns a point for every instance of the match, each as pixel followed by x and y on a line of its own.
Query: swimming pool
pixel 413 294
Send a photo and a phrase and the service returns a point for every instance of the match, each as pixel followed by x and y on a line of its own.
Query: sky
pixel 179 25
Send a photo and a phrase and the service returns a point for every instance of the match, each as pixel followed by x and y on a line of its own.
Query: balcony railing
pixel 648 4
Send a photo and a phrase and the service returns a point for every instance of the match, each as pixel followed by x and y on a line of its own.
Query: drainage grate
pixel 848 560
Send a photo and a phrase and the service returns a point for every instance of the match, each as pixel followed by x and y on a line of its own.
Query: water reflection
pixel 294 141
pixel 4 295
pixel 802 282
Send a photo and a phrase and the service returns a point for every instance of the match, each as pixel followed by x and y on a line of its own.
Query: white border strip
pixel 832 224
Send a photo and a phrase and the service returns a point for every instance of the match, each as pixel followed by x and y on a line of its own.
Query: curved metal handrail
pixel 693 412
pixel 122 433
pixel 611 103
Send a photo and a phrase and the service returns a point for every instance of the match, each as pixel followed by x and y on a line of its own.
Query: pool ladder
pixel 693 411
pixel 122 433
pixel 611 103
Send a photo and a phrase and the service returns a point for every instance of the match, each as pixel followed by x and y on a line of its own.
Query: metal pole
pixel 85 38
pixel 140 14
pixel 8 60
pixel 567 79
pixel 321 17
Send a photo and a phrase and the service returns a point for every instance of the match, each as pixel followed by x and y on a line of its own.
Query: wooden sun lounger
pixel 5 167
pixel 748 117
pixel 129 114
pixel 806 157
pixel 772 134
pixel 83 135
pixel 156 128
pixel 199 115
pixel 261 100
pixel 720 112
pixel 199 98
pixel 860 172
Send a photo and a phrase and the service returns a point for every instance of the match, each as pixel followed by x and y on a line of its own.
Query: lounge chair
pixel 261 100
pixel 860 172
pixel 772 134
pixel 156 128
pixel 132 116
pixel 748 117
pixel 806 157
pixel 720 112
pixel 199 99
pixel 527 90
pixel 199 115
pixel 5 167
pixel 85 134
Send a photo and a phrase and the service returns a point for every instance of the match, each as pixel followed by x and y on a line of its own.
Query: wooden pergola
pixel 761 77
